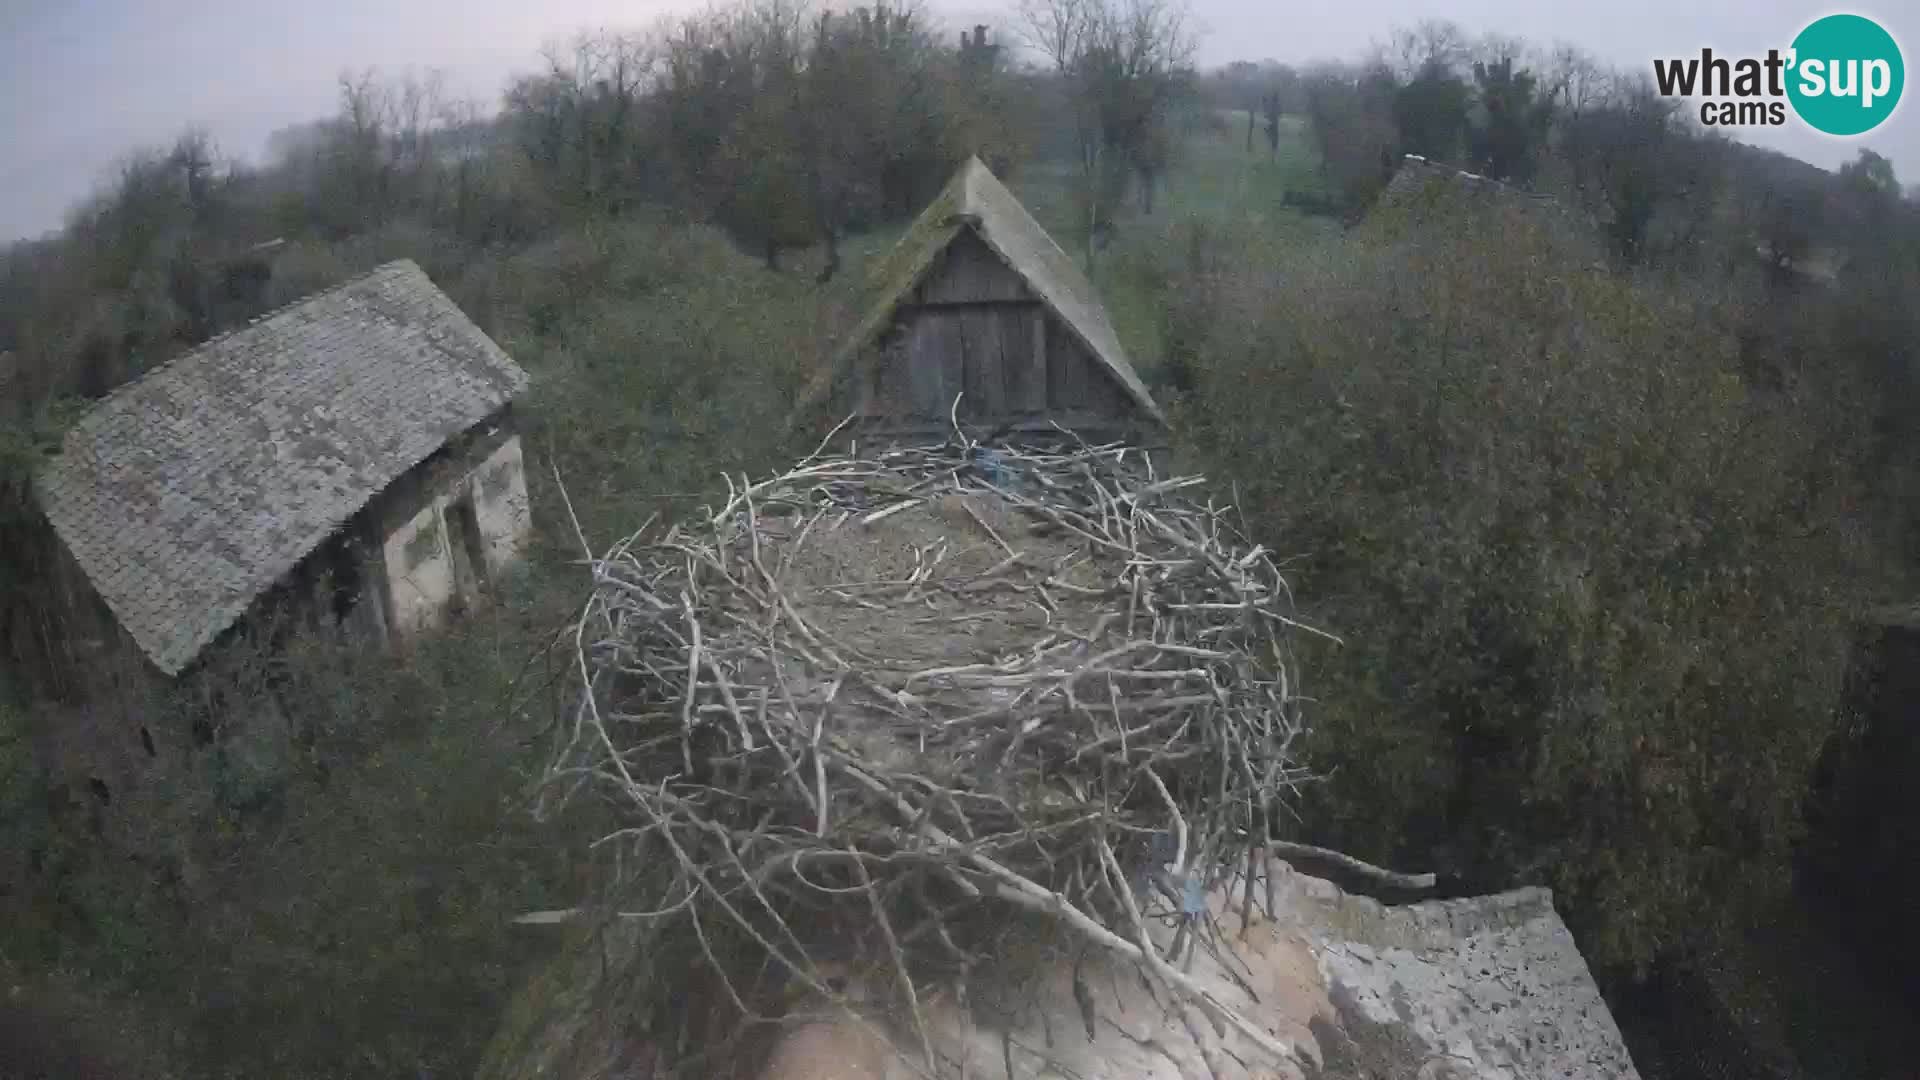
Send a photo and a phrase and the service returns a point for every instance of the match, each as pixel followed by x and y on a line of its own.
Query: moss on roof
pixel 976 199
pixel 188 493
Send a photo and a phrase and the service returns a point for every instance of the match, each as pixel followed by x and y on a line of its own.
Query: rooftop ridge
pixel 1508 187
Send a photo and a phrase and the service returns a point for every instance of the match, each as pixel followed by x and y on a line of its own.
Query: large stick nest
pixel 888 702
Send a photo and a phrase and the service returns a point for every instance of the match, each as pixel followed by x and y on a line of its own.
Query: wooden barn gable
pixel 978 305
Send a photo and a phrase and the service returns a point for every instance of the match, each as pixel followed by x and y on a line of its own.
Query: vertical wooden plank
pixel 973 361
pixel 1056 369
pixel 1015 335
pixel 994 329
pixel 1105 395
pixel 891 378
pixel 986 363
pixel 897 388
pixel 1067 364
pixel 1008 327
pixel 1039 398
pixel 869 368
pixel 925 366
pixel 1016 347
pixel 952 338
pixel 969 272
pixel 969 279
pixel 929 285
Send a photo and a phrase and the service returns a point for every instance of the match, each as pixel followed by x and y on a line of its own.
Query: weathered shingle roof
pixel 1427 192
pixel 187 494
pixel 976 199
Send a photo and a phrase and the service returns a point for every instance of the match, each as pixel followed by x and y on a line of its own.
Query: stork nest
pixel 911 699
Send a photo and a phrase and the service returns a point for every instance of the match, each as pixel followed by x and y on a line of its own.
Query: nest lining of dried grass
pixel 916 703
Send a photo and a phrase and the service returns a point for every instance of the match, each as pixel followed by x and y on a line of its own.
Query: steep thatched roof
pixel 187 494
pixel 976 200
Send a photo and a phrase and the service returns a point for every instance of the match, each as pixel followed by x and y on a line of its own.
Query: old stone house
pixel 351 457
pixel 978 314
pixel 1421 188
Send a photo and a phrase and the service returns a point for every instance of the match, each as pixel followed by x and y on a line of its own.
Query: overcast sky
pixel 84 81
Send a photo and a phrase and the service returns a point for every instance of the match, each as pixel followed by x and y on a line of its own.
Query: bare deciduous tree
pixel 1633 156
pixel 1429 44
pixel 1574 80
pixel 1351 115
pixel 1122 65
pixel 796 125
pixel 580 120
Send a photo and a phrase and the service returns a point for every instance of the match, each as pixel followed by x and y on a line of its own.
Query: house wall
pixel 423 569
pixel 974 326
pixel 501 504
pixel 419 570
pixel 62 641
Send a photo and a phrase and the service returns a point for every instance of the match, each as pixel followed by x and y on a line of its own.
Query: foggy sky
pixel 82 82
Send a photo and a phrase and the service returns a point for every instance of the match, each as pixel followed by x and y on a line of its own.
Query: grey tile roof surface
pixel 1418 183
pixel 976 199
pixel 188 493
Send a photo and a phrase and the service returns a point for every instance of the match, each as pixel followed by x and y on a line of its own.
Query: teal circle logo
pixel 1846 76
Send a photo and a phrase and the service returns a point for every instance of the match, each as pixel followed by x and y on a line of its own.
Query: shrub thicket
pixel 333 873
pixel 321 893
pixel 1595 585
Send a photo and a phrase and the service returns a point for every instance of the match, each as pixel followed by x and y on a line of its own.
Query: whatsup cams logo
pixel 1842 75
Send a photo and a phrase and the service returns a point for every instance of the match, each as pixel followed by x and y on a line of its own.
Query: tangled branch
pixel 879 708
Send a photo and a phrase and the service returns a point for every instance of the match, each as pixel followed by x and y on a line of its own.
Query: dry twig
pixel 780 756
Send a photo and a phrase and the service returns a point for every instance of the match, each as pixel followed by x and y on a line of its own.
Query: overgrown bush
pixel 1593 585
pixel 661 356
pixel 331 875
pixel 343 912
